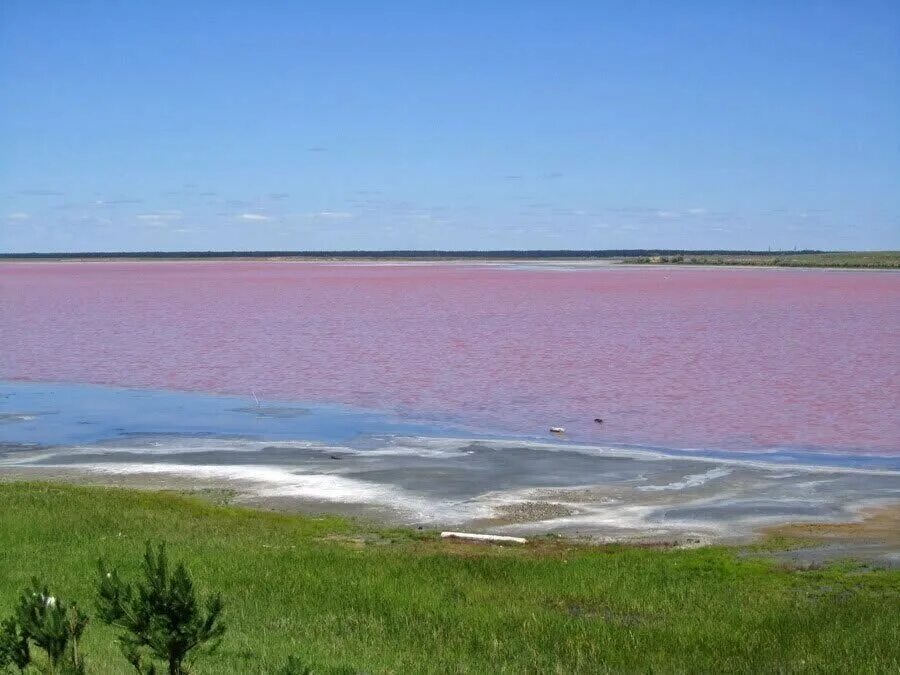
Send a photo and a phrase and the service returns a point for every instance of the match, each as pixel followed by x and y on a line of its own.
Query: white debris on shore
pixel 483 537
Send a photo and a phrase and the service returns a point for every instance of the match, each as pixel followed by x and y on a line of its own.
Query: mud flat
pixel 875 536
pixel 505 488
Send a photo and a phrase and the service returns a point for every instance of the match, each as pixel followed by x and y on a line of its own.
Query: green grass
pixel 854 259
pixel 337 593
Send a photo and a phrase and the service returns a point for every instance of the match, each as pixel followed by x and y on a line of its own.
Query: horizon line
pixel 395 253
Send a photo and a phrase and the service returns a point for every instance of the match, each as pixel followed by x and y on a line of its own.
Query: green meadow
pixel 344 596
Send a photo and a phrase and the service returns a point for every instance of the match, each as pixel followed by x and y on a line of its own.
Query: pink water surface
pixel 673 357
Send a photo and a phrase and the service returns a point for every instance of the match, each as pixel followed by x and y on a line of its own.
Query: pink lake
pixel 703 358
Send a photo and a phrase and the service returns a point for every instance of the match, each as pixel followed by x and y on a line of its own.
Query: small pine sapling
pixel 160 614
pixel 52 625
pixel 14 649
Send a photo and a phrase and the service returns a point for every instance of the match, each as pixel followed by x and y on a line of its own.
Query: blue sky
pixel 342 125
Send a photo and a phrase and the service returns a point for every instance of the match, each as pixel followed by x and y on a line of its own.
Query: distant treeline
pixel 849 259
pixel 505 254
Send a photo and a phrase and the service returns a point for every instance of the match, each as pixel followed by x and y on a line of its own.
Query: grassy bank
pixel 862 260
pixel 339 594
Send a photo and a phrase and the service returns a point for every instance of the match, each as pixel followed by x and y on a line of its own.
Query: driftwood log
pixel 483 537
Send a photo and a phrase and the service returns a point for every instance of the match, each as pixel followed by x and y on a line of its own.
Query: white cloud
pixel 18 215
pixel 160 216
pixel 667 214
pixel 253 216
pixel 336 215
pixel 697 211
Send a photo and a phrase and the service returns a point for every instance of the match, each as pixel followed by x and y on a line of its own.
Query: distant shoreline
pixel 602 258
pixel 417 254
pixel 834 260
